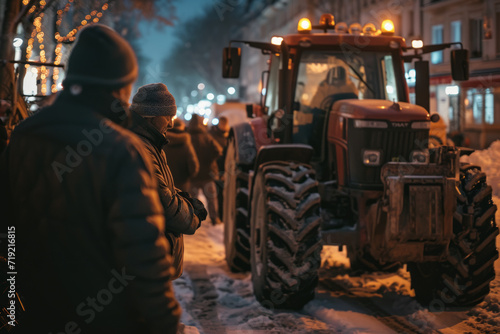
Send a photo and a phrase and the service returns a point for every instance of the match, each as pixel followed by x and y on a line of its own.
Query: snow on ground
pixel 215 300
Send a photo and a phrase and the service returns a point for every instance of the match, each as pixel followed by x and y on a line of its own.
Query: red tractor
pixel 339 156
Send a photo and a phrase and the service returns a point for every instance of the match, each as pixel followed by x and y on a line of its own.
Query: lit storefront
pixel 481 105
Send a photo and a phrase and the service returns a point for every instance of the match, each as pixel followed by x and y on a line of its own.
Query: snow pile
pixel 489 161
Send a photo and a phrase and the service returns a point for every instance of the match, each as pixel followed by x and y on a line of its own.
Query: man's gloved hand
pixel 199 208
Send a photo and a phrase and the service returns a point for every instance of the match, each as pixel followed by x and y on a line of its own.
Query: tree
pixel 66 18
pixel 197 54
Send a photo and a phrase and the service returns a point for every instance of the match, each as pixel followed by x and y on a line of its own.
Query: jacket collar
pixel 144 129
pixel 97 101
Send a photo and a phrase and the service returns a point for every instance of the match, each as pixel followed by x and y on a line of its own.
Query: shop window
pixel 473 107
pixel 482 106
pixel 476 38
pixel 477 108
pixel 489 111
pixel 437 38
pixel 456 31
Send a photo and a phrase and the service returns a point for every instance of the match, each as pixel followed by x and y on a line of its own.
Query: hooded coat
pixel 80 197
pixel 180 217
pixel 207 149
pixel 181 158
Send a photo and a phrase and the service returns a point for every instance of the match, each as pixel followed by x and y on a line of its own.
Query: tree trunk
pixel 8 90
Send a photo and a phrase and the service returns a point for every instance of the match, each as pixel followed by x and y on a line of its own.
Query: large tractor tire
pixel 285 238
pixel 235 213
pixel 463 280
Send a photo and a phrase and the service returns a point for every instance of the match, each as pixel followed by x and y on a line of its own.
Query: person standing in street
pixel 80 202
pixel 153 111
pixel 220 133
pixel 208 151
pixel 181 156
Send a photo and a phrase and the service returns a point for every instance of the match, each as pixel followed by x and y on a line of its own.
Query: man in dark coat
pixel 220 132
pixel 153 110
pixel 181 156
pixel 208 151
pixel 82 206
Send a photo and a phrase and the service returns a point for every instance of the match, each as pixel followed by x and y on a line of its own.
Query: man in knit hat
pixel 81 201
pixel 153 111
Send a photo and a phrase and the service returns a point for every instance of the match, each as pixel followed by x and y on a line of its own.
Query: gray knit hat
pixel 153 100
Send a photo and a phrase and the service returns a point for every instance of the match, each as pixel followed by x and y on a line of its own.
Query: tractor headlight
pixel 419 157
pixel 371 157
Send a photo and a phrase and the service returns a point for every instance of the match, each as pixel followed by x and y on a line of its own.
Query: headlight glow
pixel 371 157
pixel 419 157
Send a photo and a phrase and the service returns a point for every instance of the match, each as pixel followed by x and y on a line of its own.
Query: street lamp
pixel 17 42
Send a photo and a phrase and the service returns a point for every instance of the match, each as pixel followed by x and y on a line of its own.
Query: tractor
pixel 335 154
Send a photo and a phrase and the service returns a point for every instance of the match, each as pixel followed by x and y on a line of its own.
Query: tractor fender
pixel 300 153
pixel 246 149
pixel 284 152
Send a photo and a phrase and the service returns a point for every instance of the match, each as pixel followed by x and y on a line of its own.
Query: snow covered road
pixel 215 300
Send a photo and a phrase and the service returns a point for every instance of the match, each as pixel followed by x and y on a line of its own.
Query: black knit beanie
pixel 153 100
pixel 101 57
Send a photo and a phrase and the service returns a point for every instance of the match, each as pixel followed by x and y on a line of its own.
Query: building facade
pixel 471 107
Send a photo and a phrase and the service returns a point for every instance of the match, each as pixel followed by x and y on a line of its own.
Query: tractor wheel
pixel 285 239
pixel 463 279
pixel 235 214
pixel 363 261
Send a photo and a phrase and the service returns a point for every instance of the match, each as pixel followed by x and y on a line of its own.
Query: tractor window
pixel 272 98
pixel 389 79
pixel 324 77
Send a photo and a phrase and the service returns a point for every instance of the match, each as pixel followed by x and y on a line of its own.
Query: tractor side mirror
pixel 231 60
pixel 460 64
pixel 435 118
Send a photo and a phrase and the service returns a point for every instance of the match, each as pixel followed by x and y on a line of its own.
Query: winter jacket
pixel 181 158
pixel 207 149
pixel 221 138
pixel 180 217
pixel 80 194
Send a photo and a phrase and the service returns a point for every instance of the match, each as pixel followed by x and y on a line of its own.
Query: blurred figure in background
pixel 153 110
pixel 181 156
pixel 208 151
pixel 220 133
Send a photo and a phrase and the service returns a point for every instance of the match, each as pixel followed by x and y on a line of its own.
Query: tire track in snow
pixel 203 307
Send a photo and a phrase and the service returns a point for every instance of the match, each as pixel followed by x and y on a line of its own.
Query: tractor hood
pixel 380 109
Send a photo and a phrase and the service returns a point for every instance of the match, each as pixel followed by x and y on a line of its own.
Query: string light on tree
pixel 93 17
pixel 71 36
